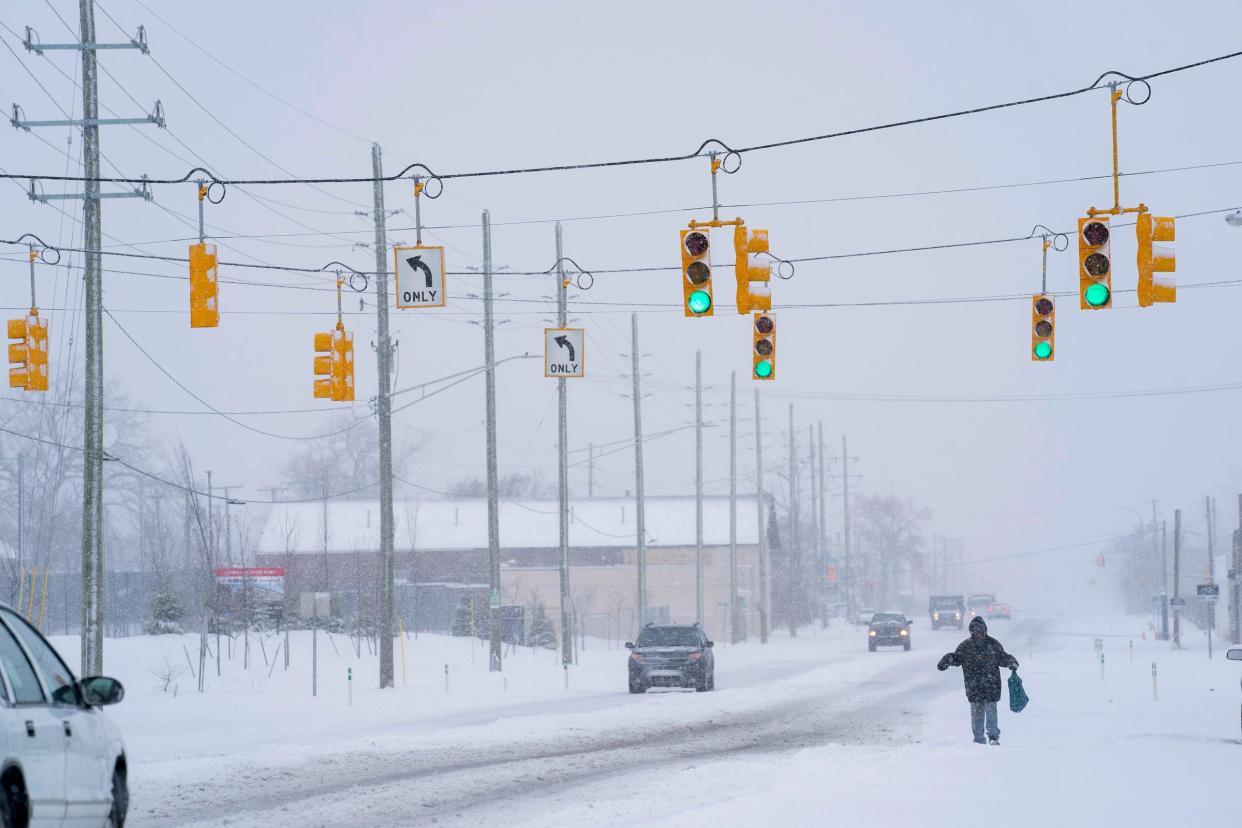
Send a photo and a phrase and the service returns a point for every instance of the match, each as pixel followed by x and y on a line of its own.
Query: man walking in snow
pixel 981 656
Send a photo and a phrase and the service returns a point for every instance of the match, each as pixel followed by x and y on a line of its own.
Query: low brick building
pixel 441 555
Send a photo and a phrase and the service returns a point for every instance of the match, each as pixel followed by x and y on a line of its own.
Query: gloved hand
pixel 944 662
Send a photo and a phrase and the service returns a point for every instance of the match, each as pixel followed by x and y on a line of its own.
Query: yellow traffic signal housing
pixel 1043 319
pixel 204 288
pixel 696 273
pixel 342 365
pixel 1095 281
pixel 1155 258
pixel 19 356
pixel 36 352
pixel 323 366
pixel 763 352
pixel 754 271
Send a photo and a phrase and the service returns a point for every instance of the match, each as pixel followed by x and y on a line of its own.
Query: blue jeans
pixel 977 712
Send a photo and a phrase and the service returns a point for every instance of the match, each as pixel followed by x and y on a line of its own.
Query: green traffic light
pixel 763 368
pixel 700 301
pixel 1043 350
pixel 1097 295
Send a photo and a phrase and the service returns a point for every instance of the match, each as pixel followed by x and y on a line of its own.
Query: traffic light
pixel 36 352
pixel 342 365
pixel 754 270
pixel 696 273
pixel 204 289
pixel 1043 316
pixel 1095 281
pixel 323 366
pixel 334 365
pixel 19 357
pixel 764 353
pixel 1155 258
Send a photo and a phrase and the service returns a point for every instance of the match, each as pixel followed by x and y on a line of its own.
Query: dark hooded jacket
pixel 980 659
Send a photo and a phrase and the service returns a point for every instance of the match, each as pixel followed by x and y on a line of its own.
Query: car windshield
pixel 888 618
pixel 946 603
pixel 669 637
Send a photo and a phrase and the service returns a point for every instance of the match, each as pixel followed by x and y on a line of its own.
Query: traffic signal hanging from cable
pixel 1095 281
pixel 334 359
pixel 204 288
pixel 753 268
pixel 696 273
pixel 28 352
pixel 763 354
pixel 1155 258
pixel 1043 318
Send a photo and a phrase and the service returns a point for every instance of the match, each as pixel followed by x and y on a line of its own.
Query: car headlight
pixel 695 656
pixel 957 616
pixel 905 632
pixel 636 657
pixel 871 633
pixel 935 616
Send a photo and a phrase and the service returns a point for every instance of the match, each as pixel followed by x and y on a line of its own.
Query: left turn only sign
pixel 564 352
pixel 420 276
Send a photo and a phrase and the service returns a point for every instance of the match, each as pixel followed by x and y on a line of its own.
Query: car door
pixel 36 737
pixel 88 761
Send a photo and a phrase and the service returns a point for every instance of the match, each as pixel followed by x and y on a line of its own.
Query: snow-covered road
pixel 523 759
pixel 799 730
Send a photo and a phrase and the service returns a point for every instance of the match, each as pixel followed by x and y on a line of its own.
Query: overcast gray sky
pixel 469 86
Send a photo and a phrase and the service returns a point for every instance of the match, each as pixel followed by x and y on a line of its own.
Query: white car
pixel 63 760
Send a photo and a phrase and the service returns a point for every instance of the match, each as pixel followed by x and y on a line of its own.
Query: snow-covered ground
pixel 801 731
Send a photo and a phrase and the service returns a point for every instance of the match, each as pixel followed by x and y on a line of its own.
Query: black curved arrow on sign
pixel 563 341
pixel 417 263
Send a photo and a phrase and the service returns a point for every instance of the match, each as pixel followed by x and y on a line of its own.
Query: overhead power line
pixel 707 146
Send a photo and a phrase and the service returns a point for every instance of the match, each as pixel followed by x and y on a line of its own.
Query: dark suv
pixel 671 655
pixel 888 629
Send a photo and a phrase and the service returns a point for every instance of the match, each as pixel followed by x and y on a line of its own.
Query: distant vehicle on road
pixel 671 655
pixel 888 629
pixel 61 759
pixel 947 611
pixel 978 604
pixel 998 610
pixel 863 616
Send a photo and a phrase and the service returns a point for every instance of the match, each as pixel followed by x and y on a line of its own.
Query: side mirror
pixel 101 690
pixel 909 621
pixel 711 643
pixel 1234 654
pixel 629 645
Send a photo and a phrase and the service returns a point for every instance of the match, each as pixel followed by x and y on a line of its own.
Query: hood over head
pixel 978 625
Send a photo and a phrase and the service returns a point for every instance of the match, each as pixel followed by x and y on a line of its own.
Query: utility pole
pixel 1235 575
pixel 845 523
pixel 92 632
pixel 818 551
pixel 640 550
pixel 383 348
pixel 698 486
pixel 21 473
pixel 735 623
pixel 1211 541
pixel 493 500
pixel 1164 581
pixel 795 553
pixel 764 597
pixel 823 514
pixel 591 470
pixel 562 446
pixel 1177 576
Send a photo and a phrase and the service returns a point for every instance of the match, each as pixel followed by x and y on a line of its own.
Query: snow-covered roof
pixel 524 524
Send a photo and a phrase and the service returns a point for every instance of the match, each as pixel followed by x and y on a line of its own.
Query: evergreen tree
pixel 541 632
pixel 166 610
